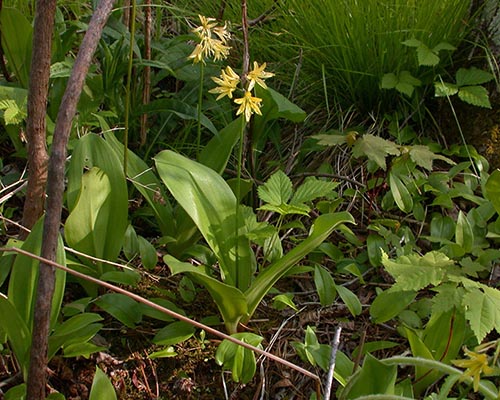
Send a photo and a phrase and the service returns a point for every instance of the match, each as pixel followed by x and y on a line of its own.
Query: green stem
pixel 239 161
pixel 200 100
pixel 128 85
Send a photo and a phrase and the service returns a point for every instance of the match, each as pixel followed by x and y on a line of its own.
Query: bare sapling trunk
pixel 55 189
pixel 37 109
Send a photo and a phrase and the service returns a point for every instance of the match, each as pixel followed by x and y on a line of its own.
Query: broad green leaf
pixel 174 333
pixel 370 347
pixel 239 359
pixel 211 204
pixel 17 35
pixel 472 76
pixel 18 333
pixel 81 349
pixel 400 193
pixel 121 307
pixel 217 151
pixel 389 304
pixel 350 300
pixel 149 258
pixel 157 314
pixel 325 286
pixel 374 377
pixel 125 277
pixel 24 276
pixel 102 388
pixel 277 190
pixel 375 244
pixel 86 228
pixel 464 235
pixel 444 89
pixel 17 392
pixel 110 220
pixel 287 209
pixel 230 300
pixel 475 95
pixel 312 189
pixel 442 227
pixel 76 323
pixel 492 189
pixel 321 229
pixel 147 183
pixel 275 105
pixel 375 148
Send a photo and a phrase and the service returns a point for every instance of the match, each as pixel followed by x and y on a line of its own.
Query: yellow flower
pixel 257 76
pixel 248 105
pixel 475 365
pixel 204 30
pixel 226 83
pixel 210 46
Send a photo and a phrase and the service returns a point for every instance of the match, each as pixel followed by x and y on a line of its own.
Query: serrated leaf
pixel 405 88
pixel 482 312
pixel 277 190
pixel 475 95
pixel 312 189
pixel 444 46
pixel 472 76
pixel 412 42
pixel 426 56
pixel 375 148
pixel 445 89
pixel 389 81
pixel 408 78
pixel 330 140
pixel 415 272
pixel 424 157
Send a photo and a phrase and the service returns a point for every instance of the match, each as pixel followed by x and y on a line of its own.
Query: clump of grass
pixel 358 41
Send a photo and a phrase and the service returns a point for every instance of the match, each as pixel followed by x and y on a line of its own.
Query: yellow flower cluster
pixel 213 41
pixel 228 83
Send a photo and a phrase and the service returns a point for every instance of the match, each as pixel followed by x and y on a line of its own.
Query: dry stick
pixel 55 191
pixel 146 93
pixel 37 110
pixel 171 313
pixel 333 358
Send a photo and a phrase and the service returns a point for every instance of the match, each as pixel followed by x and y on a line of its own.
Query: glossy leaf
pixel 99 226
pixel 24 276
pixel 389 304
pixel 121 307
pixel 102 388
pixel 174 333
pixel 350 300
pixel 211 204
pixel 325 286
pixel 400 193
pixel 464 235
pixel 492 189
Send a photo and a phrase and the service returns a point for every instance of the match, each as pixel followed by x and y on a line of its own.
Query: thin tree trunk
pixel 55 190
pixel 37 109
